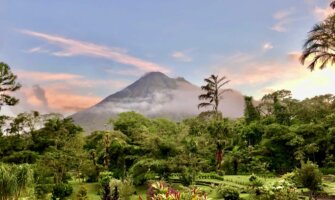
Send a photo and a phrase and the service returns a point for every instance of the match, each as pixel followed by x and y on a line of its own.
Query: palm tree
pixel 213 92
pixel 320 45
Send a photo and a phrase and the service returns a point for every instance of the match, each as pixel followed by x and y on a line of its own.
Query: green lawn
pixel 92 190
pixel 239 181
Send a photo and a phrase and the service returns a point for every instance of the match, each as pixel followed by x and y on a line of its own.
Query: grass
pixel 92 190
pixel 237 181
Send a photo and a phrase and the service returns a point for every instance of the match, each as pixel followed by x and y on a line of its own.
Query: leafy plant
pixel 61 191
pixel 310 177
pixel 281 190
pixel 228 193
pixel 82 193
pixel 255 184
pixel 14 180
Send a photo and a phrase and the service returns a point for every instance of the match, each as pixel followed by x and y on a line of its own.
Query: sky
pixel 69 55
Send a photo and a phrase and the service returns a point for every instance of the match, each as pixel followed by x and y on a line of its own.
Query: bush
pixel 127 189
pixel 228 193
pixel 41 191
pixel 281 190
pixel 60 191
pixel 255 183
pixel 309 176
pixel 187 177
pixel 82 193
pixel 289 177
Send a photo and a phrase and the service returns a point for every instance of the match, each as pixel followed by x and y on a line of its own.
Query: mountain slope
pixel 154 95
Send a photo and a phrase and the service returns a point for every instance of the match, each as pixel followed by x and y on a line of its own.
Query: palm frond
pixel 224 83
pixel 204 104
pixel 320 44
pixel 209 81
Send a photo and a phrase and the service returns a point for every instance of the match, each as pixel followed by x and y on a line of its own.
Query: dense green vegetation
pixel 275 137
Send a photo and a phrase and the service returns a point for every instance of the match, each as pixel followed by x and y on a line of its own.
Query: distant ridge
pixel 154 95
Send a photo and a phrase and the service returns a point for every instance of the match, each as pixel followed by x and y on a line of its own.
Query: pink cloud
pixel 322 13
pixel 254 71
pixel 272 75
pixel 58 100
pixel 294 56
pixel 60 92
pixel 46 76
pixel 71 47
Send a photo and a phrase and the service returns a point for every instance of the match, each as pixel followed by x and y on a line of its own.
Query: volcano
pixel 155 95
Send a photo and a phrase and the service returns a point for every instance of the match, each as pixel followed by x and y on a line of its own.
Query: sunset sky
pixel 69 55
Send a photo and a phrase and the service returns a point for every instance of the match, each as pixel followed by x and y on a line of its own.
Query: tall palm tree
pixel 213 92
pixel 320 45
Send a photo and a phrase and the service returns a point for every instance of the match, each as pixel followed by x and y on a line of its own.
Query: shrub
pixel 289 177
pixel 255 183
pixel 41 191
pixel 127 189
pixel 309 176
pixel 281 190
pixel 161 191
pixel 105 178
pixel 228 193
pixel 187 177
pixel 61 191
pixel 82 193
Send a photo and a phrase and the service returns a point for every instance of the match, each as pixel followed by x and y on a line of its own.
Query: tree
pixel 7 84
pixel 219 131
pixel 250 112
pixel 213 92
pixel 320 45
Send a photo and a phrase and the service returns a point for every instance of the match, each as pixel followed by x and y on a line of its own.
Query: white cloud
pixel 308 84
pixel 283 18
pixel 181 56
pixel 267 46
pixel 71 47
pixel 283 14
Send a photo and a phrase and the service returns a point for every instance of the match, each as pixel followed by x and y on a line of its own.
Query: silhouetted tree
pixel 7 84
pixel 319 46
pixel 213 92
